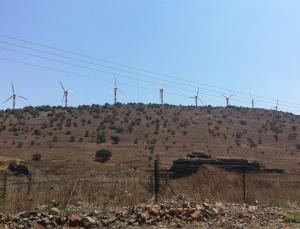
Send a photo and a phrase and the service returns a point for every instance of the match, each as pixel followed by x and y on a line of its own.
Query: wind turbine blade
pixel 8 99
pixel 62 86
pixel 201 102
pixel 22 97
pixel 231 96
pixel 192 97
pixel 197 91
pixel 63 98
pixel 12 87
pixel 115 82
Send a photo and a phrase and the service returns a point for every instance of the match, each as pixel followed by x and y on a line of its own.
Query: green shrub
pixel 292 217
pixel 119 130
pixel 103 155
pixel 115 139
pixel 100 138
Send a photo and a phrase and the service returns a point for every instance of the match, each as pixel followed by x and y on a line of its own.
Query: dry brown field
pixel 68 139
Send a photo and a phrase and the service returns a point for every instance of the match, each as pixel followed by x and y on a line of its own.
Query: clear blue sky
pixel 250 46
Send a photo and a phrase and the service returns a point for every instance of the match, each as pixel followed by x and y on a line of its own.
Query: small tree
pixel 103 155
pixel 115 139
pixel 100 138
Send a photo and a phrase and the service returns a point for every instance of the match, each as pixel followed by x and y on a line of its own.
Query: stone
pixel 175 211
pixel 154 211
pixel 54 211
pixel 75 221
pixel 88 222
pixel 105 223
pixel 205 204
pixel 252 208
pixel 151 221
pixel 144 217
pixel 112 219
pixel 196 215
pixel 24 214
pixel 20 226
pixel 186 205
pixel 131 220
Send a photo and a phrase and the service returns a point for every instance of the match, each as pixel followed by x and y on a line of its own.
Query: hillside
pixel 67 139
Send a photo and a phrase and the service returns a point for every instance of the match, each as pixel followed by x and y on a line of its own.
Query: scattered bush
pixel 36 157
pixel 103 155
pixel 119 130
pixel 115 139
pixel 100 138
pixel 292 136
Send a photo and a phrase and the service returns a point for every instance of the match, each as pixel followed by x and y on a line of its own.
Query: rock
pixel 112 219
pixel 186 204
pixel 214 211
pixel 75 221
pixel 131 220
pixel 154 210
pixel 105 223
pixel 205 204
pixel 144 217
pixel 88 222
pixel 175 211
pixel 41 208
pixel 54 211
pixel 25 214
pixel 252 208
pixel 20 226
pixel 152 221
pixel 165 215
pixel 196 215
pixel 44 222
pixel 94 213
pixel 219 205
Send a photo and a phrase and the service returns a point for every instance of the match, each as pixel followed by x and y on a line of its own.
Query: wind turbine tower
pixel 196 97
pixel 14 96
pixel 115 91
pixel 65 96
pixel 252 101
pixel 277 106
pixel 227 99
pixel 161 95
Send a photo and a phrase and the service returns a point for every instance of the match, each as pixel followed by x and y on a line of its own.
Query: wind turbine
pixel 276 108
pixel 227 99
pixel 196 97
pixel 252 101
pixel 14 96
pixel 116 89
pixel 65 96
pixel 161 96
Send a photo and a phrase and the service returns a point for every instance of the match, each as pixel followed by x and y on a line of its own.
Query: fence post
pixel 244 184
pixel 156 179
pixel 29 184
pixel 4 184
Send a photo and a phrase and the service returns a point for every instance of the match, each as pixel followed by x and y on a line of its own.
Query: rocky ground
pixel 173 214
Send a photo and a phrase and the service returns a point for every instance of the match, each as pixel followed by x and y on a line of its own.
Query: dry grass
pixel 124 190
pixel 220 185
pixel 113 191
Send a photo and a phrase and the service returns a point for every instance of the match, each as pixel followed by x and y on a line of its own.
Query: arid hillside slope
pixel 67 139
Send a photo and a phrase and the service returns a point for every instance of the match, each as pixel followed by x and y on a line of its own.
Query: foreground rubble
pixel 173 214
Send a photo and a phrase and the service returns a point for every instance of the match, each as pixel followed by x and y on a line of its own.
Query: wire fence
pixel 129 188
